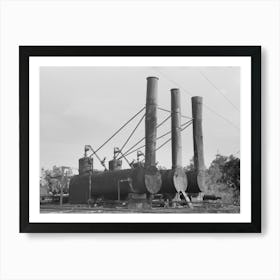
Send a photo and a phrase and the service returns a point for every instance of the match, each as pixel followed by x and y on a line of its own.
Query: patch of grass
pixel 228 194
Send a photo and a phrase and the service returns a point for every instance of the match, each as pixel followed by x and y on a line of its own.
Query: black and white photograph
pixel 140 139
pixel 133 135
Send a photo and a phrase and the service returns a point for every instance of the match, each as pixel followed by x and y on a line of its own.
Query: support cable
pixel 95 153
pixel 165 110
pixel 206 106
pixel 125 153
pixel 183 127
pixel 133 117
pixel 125 158
pixel 131 134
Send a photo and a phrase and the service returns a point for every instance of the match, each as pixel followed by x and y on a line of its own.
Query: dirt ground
pixel 198 207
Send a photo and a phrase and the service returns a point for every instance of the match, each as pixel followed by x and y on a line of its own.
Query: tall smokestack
pixel 151 121
pixel 198 142
pixel 176 128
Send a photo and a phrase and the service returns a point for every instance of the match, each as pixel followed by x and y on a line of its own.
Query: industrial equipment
pixel 143 180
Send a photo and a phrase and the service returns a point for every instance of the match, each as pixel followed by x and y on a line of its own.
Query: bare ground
pixel 198 207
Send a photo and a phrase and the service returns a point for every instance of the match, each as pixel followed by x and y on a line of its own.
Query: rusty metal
pixel 179 178
pixel 114 184
pixel 105 184
pixel 152 176
pixel 193 187
pixel 198 142
pixel 175 180
pixel 176 139
pixel 85 165
pixel 151 121
pixel 115 164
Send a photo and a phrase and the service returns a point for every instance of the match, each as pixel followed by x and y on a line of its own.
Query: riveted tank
pixel 115 164
pixel 107 184
pixel 140 180
pixel 85 165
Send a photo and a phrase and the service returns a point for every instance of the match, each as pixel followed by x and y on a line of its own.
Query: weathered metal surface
pixel 198 142
pixel 151 121
pixel 176 140
pixel 180 180
pixel 115 164
pixel 85 165
pixel 153 180
pixel 105 184
pixel 193 187
pixel 152 176
pixel 173 181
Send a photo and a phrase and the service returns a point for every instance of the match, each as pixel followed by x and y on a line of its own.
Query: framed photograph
pixel 140 138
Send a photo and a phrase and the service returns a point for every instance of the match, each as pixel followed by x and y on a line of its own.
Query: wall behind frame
pixel 123 256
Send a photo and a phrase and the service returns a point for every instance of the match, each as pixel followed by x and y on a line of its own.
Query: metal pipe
pixel 176 128
pixel 151 122
pixel 175 180
pixel 199 164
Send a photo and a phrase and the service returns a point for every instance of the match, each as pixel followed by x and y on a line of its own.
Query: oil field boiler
pixel 115 183
pixel 142 181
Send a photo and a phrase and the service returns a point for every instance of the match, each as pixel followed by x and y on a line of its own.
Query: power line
pixel 213 85
pixel 217 114
pixel 188 92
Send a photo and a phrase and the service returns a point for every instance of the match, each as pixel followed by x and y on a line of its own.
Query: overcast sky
pixel 86 105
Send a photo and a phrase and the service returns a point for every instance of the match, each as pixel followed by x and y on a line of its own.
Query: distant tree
pixel 54 178
pixel 190 167
pixel 223 178
pixel 215 171
pixel 160 167
pixel 231 172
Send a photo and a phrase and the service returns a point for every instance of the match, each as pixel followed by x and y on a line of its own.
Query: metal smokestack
pixel 198 142
pixel 151 122
pixel 176 128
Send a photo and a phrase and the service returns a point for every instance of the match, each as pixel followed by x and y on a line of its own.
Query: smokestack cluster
pixel 139 182
pixel 175 178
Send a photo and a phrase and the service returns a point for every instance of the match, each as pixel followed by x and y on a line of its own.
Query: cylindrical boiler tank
pixel 85 165
pixel 115 164
pixel 193 187
pixel 173 181
pixel 108 184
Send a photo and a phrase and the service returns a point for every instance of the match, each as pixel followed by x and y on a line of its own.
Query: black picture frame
pixel 25 52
